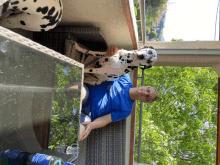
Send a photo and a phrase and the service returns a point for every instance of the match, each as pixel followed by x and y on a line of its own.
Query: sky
pixel 191 20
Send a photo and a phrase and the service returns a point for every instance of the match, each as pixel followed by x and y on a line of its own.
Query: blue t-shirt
pixel 110 97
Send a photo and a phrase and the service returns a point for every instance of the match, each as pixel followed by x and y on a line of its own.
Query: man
pixel 112 101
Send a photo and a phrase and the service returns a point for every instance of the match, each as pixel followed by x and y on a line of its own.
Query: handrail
pixel 218 114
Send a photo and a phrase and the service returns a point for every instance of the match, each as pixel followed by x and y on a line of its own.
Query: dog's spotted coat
pixel 34 15
pixel 122 62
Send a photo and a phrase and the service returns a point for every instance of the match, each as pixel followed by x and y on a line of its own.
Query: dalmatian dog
pixel 32 15
pixel 122 62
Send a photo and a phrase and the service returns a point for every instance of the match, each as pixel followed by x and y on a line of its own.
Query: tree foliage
pixel 173 39
pixel 181 127
pixel 153 34
pixel 64 122
pixel 152 13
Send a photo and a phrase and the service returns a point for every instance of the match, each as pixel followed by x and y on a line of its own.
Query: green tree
pixel 152 35
pixel 181 127
pixel 176 39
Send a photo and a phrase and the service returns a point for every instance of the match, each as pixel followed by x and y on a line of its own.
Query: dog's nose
pixel 140 56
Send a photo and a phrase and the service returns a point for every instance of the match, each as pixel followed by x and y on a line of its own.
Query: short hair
pixel 156 96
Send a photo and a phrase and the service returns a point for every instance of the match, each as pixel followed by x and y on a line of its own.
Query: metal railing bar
pixel 140 121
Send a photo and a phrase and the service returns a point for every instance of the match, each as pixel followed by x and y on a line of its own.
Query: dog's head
pixel 147 56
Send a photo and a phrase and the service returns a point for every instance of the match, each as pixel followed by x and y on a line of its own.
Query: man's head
pixel 146 94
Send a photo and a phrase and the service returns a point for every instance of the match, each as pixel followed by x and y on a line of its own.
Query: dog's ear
pixel 144 47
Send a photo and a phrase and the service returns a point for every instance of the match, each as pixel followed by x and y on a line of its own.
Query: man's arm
pixel 111 51
pixel 101 121
pixel 97 123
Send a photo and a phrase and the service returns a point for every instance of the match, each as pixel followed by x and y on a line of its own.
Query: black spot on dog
pixel 38 9
pixel 51 11
pixel 122 60
pixel 47 17
pixel 97 65
pixel 150 52
pixel 25 8
pixel 120 57
pixel 98 55
pixel 90 70
pixel 43 10
pixel 126 71
pixel 60 3
pixel 132 67
pixel 28 13
pixel 15 3
pixel 129 61
pixel 43 26
pixel 106 59
pixel 15 8
pixel 22 22
pixel 149 61
pixel 109 76
pixel 141 57
pixel 60 17
pixel 11 14
pixel 151 47
pixel 128 56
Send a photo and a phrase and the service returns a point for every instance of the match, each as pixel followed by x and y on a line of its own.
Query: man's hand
pixel 111 51
pixel 97 123
pixel 89 128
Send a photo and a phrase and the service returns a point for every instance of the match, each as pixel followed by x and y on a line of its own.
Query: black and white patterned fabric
pixel 32 15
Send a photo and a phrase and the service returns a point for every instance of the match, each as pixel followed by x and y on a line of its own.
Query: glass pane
pixel 185 20
pixel 35 100
pixel 181 127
